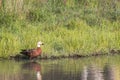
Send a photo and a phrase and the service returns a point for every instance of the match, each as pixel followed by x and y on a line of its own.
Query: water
pixel 94 68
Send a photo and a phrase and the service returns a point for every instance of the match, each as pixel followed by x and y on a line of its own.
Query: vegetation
pixel 67 27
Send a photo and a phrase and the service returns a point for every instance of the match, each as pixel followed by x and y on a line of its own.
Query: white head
pixel 39 43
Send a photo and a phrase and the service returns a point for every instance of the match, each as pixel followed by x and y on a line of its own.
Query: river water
pixel 91 68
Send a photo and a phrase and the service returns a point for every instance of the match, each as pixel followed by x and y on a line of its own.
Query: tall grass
pixel 66 27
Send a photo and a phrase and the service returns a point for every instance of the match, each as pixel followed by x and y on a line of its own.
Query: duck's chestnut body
pixel 33 53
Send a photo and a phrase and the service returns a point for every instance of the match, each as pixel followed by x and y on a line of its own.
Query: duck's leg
pixel 30 58
pixel 35 59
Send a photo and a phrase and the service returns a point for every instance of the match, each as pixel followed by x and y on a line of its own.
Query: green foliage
pixel 7 19
pixel 66 27
pixel 58 47
pixel 37 16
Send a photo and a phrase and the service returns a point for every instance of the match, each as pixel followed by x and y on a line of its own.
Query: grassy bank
pixel 66 27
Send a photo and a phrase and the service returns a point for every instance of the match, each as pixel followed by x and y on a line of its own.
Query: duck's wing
pixel 26 51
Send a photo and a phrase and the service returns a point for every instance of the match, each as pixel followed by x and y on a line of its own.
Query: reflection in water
pixel 84 74
pixel 109 72
pixel 32 66
pixel 56 71
pixel 94 73
pixel 91 73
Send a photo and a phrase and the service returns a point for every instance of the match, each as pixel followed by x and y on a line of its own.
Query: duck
pixel 33 53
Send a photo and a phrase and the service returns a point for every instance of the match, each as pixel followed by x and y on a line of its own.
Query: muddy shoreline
pixel 97 54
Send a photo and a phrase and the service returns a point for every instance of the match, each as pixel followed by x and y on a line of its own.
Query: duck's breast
pixel 36 52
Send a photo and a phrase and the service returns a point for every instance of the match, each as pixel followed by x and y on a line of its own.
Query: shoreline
pixel 74 56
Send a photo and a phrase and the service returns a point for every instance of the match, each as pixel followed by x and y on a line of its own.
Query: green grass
pixel 65 28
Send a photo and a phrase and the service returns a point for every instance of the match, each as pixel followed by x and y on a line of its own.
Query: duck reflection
pixel 32 67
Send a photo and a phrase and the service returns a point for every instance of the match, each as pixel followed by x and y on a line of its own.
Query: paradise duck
pixel 33 53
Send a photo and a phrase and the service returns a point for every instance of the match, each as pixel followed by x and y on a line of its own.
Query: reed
pixel 66 28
